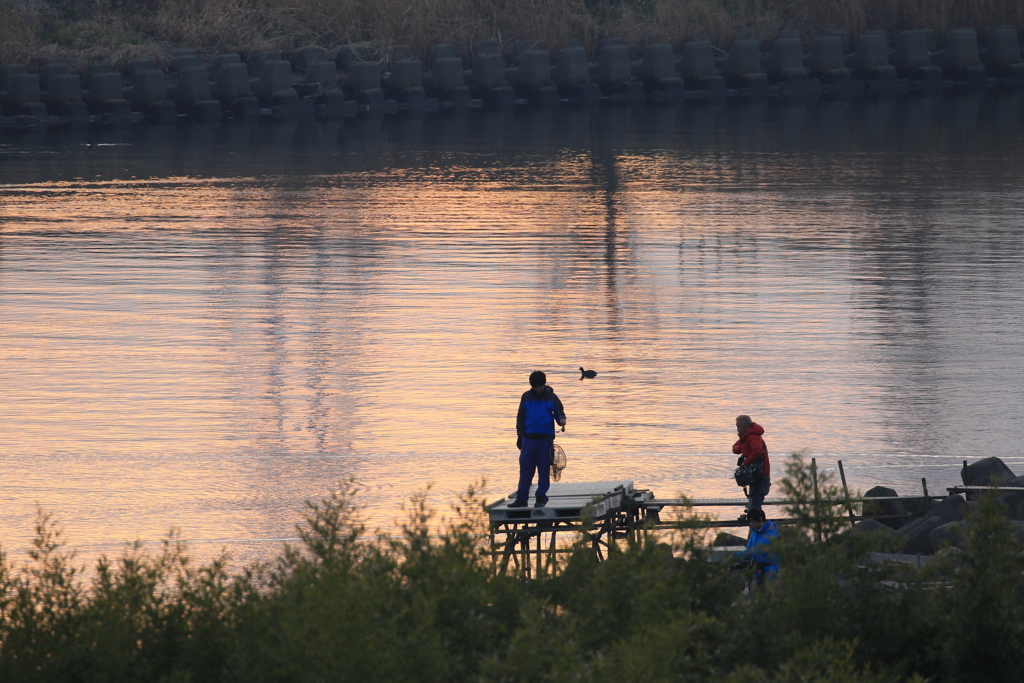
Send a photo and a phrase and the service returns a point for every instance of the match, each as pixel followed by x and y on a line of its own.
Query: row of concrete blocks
pixel 184 86
pixel 831 68
pixel 920 527
pixel 311 84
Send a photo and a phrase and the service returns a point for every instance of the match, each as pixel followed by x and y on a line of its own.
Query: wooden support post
pixel 846 494
pixel 927 498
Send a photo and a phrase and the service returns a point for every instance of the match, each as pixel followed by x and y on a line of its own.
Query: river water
pixel 204 327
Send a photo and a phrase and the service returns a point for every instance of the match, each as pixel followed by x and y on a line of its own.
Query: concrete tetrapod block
pixel 64 98
pixel 405 73
pixel 950 534
pixel 571 68
pixel 826 55
pixel 784 66
pixel 193 86
pixel 503 97
pixel 743 70
pixel 870 52
pixel 286 105
pixel 137 66
pixel 440 51
pixel 534 71
pixel 362 76
pixel 890 540
pixel 884 508
pixel 613 67
pixel 222 60
pixel 206 111
pixel 64 89
pixel 912 60
pixel 726 539
pixel 324 73
pixel 1011 499
pixel 92 70
pixel 49 71
pixel 231 83
pixel 870 61
pixel 1002 56
pixel 260 57
pixel 488 72
pixel 246 109
pixel 332 105
pixel 827 63
pixel 571 75
pixel 7 72
pixel 275 76
pixel 744 60
pixel 106 86
pixel 308 56
pixel 1003 48
pixel 22 89
pixel 991 468
pixel 446 82
pixel 950 509
pixel 161 112
pixel 350 54
pixel 787 53
pixel 961 60
pixel 697 67
pixel 918 535
pixel 116 111
pixel 371 101
pixel 658 62
pixel 182 62
pixel 446 74
pixel 150 86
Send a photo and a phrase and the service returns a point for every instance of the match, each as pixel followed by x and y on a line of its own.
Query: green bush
pixel 428 605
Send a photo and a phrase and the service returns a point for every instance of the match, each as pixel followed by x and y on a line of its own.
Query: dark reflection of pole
pixel 275 336
pixel 319 366
pixel 604 176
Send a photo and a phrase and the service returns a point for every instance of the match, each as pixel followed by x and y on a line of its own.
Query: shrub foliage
pixel 428 605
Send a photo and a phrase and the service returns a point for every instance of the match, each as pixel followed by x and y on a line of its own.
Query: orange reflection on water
pixel 208 354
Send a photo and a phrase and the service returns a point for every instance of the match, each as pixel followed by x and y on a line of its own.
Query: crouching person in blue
pixel 539 410
pixel 758 553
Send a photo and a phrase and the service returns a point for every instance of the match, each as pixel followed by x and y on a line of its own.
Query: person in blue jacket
pixel 539 410
pixel 758 552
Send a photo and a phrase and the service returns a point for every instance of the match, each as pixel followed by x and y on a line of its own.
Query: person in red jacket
pixel 751 448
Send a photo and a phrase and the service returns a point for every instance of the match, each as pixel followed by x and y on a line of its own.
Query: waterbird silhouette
pixel 588 374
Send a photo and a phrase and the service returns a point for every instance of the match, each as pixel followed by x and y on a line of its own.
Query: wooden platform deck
pixel 601 512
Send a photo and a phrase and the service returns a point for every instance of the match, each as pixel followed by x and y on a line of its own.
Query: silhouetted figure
pixel 752 448
pixel 587 374
pixel 539 410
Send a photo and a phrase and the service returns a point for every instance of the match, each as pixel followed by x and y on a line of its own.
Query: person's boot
pixel 540 502
pixel 518 503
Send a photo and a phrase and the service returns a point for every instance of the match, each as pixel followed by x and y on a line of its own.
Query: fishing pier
pixel 525 540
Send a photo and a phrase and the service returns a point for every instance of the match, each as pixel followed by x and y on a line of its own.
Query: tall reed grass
pixel 343 605
pixel 120 29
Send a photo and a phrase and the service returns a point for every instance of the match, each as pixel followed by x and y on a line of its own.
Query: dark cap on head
pixel 538 378
pixel 757 516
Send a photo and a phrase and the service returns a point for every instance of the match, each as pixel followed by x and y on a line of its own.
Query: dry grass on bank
pixel 87 30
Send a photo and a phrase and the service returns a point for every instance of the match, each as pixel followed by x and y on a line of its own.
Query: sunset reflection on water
pixel 209 352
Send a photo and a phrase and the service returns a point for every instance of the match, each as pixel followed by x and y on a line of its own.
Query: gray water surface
pixel 203 327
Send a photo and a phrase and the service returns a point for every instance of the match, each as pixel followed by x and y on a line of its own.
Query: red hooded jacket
pixel 752 446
